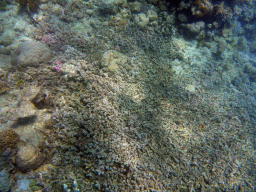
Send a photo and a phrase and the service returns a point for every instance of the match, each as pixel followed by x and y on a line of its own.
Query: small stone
pixel 190 88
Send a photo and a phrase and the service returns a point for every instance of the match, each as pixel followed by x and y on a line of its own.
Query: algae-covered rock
pixel 31 53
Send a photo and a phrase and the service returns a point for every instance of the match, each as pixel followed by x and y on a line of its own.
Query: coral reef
pixel 125 102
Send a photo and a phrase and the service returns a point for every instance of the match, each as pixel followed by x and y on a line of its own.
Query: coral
pixel 195 28
pixel 29 158
pixel 8 139
pixel 202 8
pixel 30 5
pixel 224 12
pixel 48 39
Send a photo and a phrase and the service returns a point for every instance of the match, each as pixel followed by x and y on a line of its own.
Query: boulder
pixel 31 53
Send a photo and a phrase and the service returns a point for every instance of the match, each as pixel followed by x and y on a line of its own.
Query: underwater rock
pixel 5 182
pixel 5 60
pixel 5 39
pixel 20 25
pixel 30 5
pixel 26 109
pixel 30 53
pixel 106 9
pixel 29 158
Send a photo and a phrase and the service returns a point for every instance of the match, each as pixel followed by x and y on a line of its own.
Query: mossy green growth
pixel 33 186
pixel 32 183
pixel 20 82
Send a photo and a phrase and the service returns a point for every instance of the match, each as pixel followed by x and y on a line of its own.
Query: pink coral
pixel 48 39
pixel 58 66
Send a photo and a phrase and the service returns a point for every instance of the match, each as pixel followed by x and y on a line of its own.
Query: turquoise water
pixel 123 95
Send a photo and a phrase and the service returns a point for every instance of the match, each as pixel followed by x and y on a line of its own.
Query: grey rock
pixel 31 53
pixel 5 181
pixel 5 39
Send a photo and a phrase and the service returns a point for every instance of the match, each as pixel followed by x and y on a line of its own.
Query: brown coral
pixel 8 139
pixel 224 11
pixel 202 8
